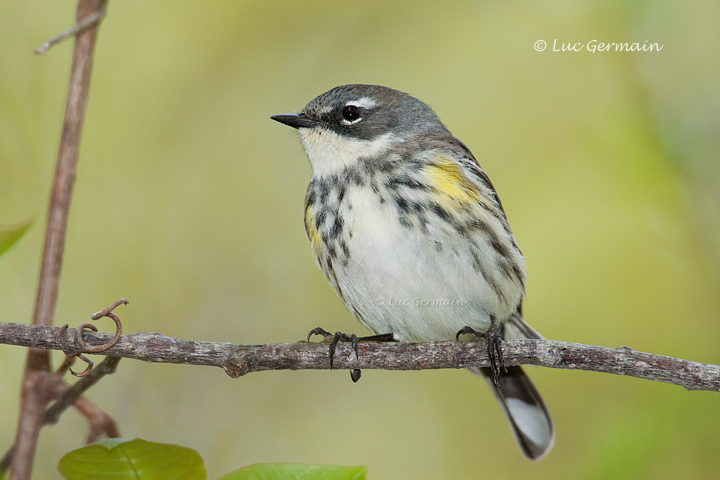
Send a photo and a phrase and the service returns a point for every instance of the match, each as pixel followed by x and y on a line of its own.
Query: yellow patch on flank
pixel 446 177
pixel 313 234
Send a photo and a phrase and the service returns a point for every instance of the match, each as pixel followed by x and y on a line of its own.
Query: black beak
pixel 295 120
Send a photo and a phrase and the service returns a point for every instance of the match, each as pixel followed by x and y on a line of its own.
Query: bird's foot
pixel 494 348
pixel 337 337
pixel 334 339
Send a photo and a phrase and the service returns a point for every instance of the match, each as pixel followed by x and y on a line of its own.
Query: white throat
pixel 330 153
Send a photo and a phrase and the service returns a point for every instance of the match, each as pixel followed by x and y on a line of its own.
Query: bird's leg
pixel 385 337
pixel 334 339
pixel 494 347
pixel 337 337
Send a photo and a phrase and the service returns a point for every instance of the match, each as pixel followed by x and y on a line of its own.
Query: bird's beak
pixel 295 120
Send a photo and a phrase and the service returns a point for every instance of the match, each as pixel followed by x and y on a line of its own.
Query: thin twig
pixel 89 21
pixel 240 359
pixel 71 394
pixel 38 380
pixel 100 422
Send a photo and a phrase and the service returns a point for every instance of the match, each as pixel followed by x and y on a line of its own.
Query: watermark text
pixel 419 302
pixel 595 46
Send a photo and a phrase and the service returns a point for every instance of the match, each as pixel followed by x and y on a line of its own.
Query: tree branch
pixel 100 422
pixel 240 359
pixel 72 394
pixel 38 381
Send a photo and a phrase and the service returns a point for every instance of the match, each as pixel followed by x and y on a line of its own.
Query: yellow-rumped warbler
pixel 410 233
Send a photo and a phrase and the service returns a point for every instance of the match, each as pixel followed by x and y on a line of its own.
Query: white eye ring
pixel 351 114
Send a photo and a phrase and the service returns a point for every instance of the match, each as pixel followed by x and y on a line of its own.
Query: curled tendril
pixel 89 367
pixel 84 347
pixel 103 313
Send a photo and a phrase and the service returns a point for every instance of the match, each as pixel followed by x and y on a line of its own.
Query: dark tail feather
pixel 525 410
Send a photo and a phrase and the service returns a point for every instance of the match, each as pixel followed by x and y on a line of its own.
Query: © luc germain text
pixel 596 46
pixel 420 302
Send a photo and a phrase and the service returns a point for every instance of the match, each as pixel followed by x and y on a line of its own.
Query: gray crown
pixel 380 110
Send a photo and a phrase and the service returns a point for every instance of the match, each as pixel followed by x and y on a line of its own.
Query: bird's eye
pixel 351 113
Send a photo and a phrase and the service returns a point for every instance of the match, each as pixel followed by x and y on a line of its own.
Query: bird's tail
pixel 523 406
pixel 525 410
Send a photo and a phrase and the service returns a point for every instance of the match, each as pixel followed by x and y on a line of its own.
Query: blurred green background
pixel 189 203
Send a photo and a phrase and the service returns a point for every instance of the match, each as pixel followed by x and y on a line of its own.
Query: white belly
pixel 418 285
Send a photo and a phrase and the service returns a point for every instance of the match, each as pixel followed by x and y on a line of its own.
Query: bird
pixel 410 232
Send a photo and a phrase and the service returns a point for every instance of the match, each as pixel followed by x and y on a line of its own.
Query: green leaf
pixel 296 471
pixel 10 234
pixel 124 459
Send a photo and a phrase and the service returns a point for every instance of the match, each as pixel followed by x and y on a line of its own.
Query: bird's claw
pixel 333 340
pixel 494 348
